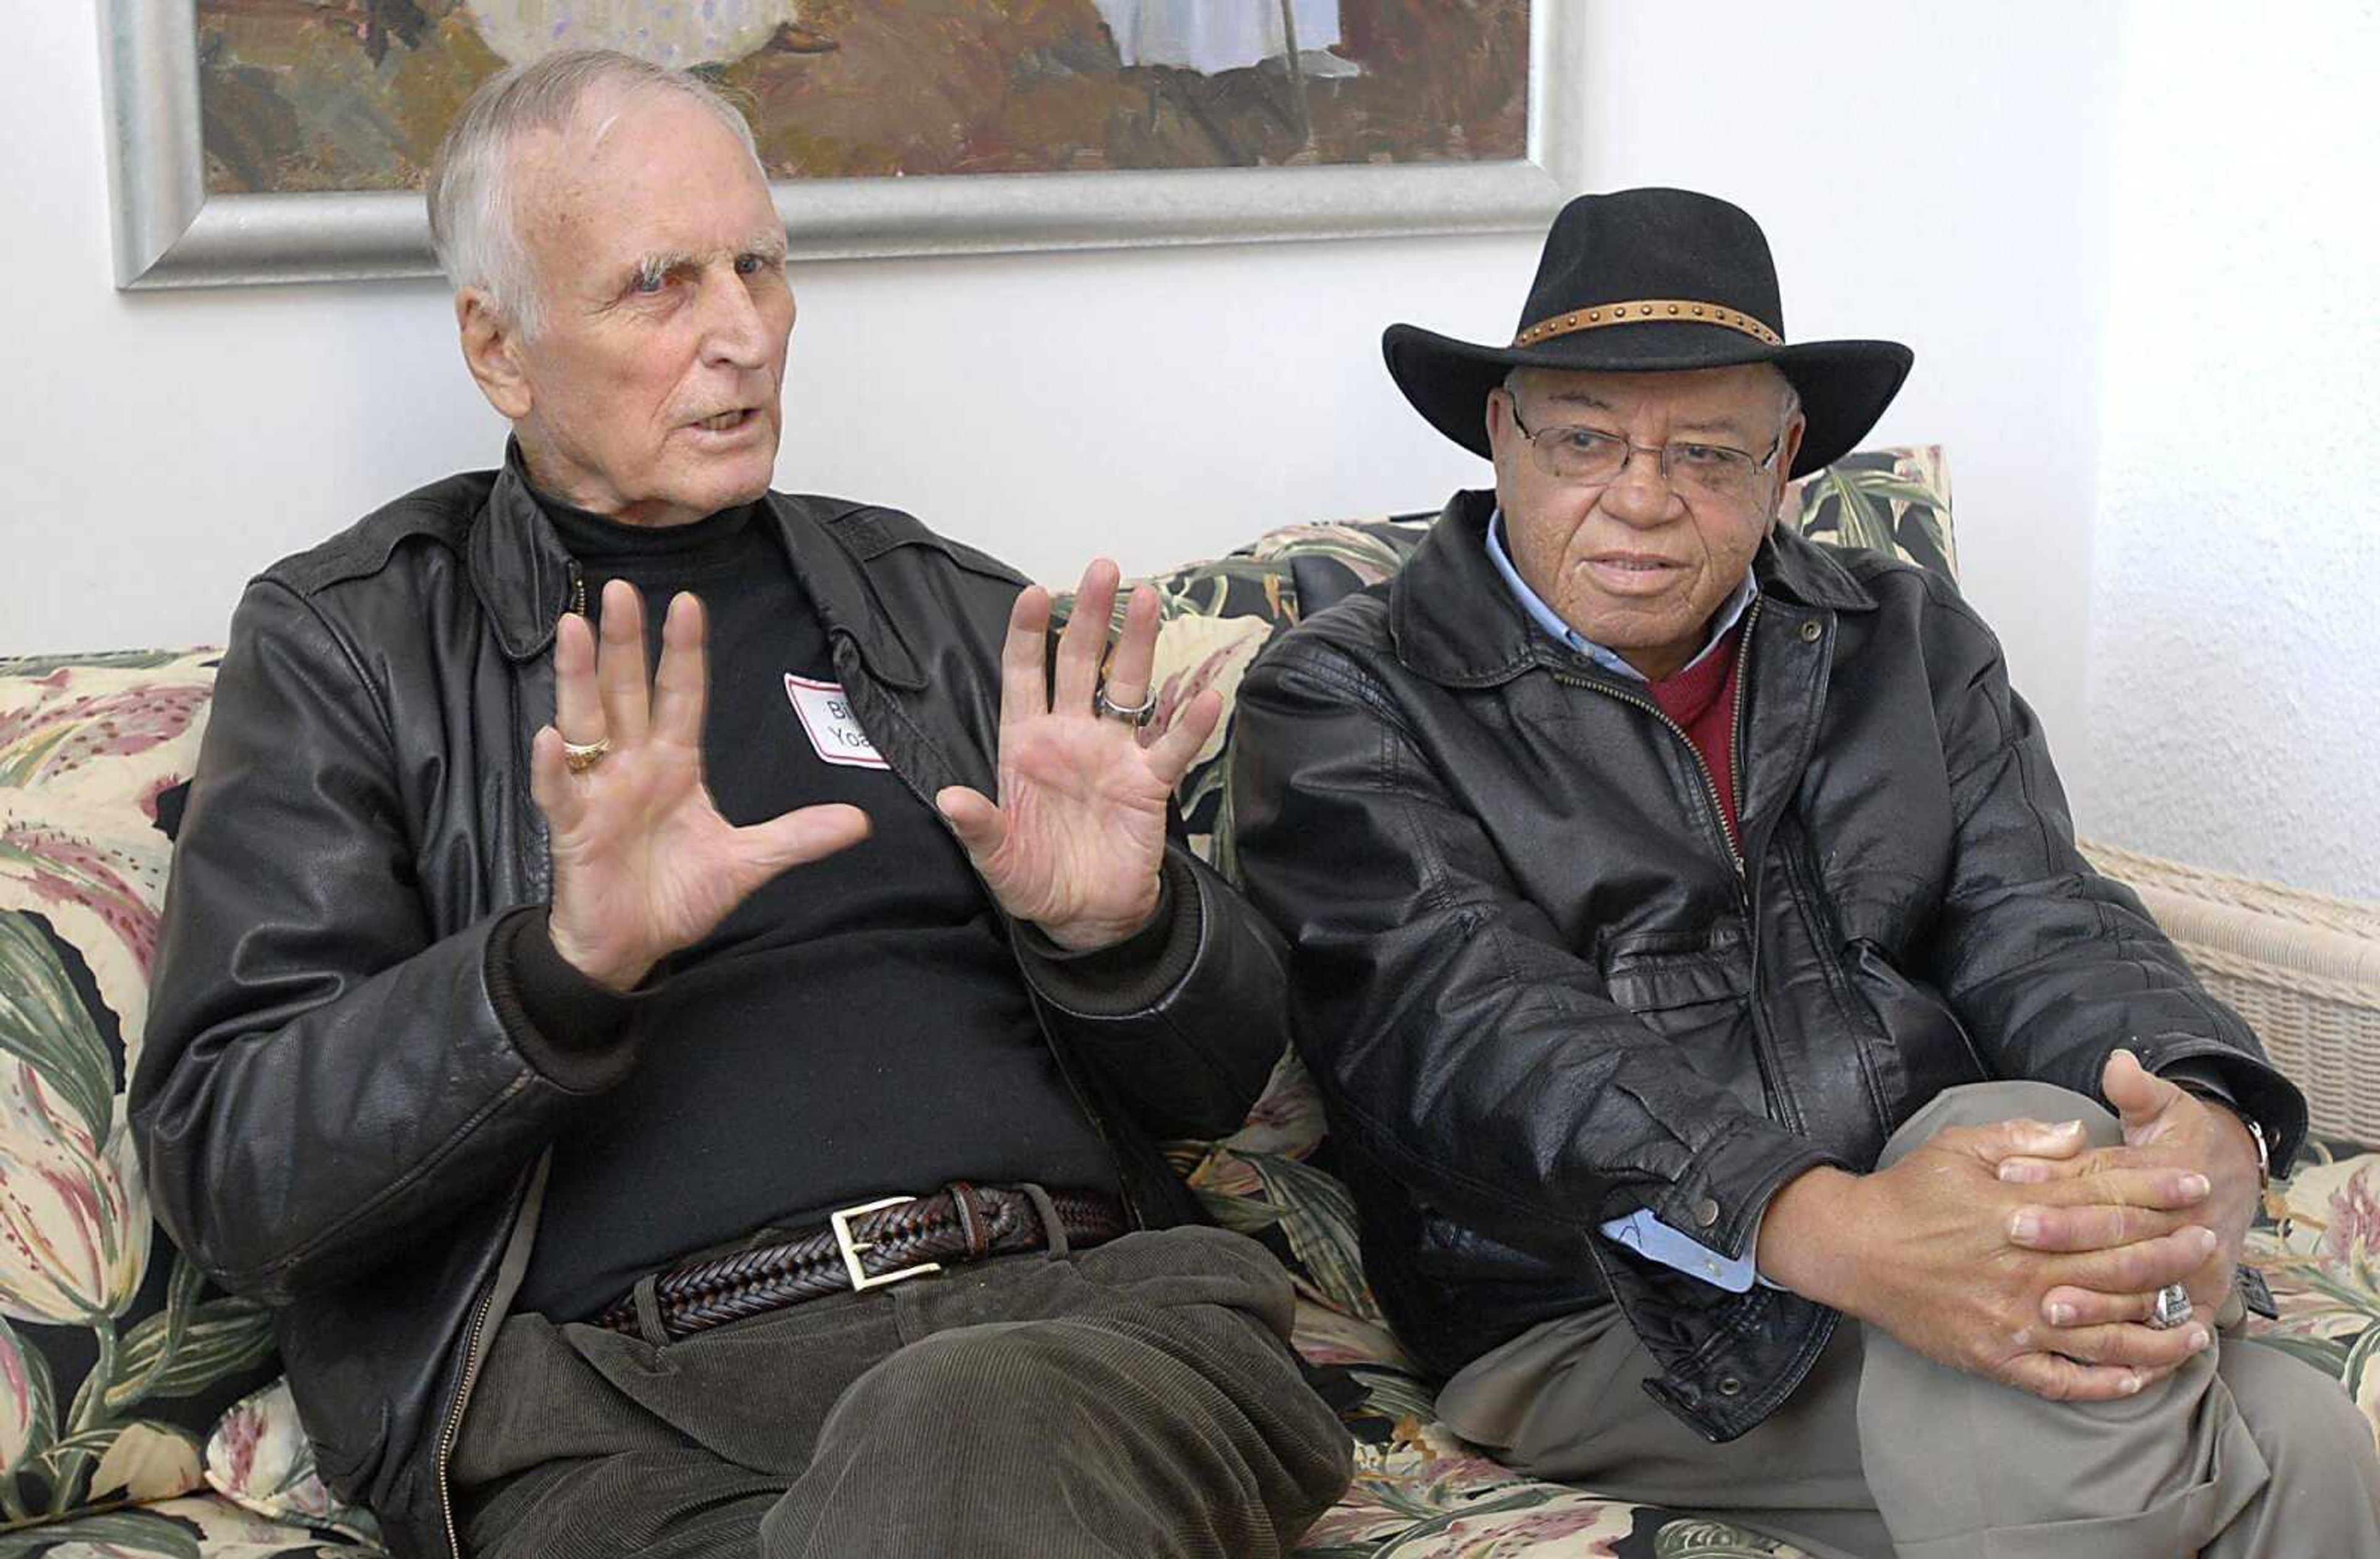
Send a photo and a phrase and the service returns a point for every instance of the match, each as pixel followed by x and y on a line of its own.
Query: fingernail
pixel 2061 1315
pixel 2131 1384
pixel 2194 1186
pixel 2199 1339
pixel 2207 1242
pixel 2066 1128
pixel 2025 1227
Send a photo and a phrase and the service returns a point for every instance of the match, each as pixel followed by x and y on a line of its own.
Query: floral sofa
pixel 137 1410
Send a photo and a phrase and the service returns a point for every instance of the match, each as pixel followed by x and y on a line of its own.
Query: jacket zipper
pixel 1742 681
pixel 452 1430
pixel 1701 767
pixel 1760 1056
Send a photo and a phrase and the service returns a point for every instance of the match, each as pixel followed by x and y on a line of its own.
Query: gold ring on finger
pixel 581 756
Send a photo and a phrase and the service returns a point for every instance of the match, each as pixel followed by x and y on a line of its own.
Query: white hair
pixel 474 215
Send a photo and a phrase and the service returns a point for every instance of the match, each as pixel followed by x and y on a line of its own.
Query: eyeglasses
pixel 1593 459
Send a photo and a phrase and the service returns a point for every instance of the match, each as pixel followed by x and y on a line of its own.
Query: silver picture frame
pixel 171 233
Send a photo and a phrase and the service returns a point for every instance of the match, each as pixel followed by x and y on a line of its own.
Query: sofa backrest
pixel 115 1357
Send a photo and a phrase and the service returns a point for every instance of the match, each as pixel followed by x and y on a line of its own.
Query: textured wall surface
pixel 2235 710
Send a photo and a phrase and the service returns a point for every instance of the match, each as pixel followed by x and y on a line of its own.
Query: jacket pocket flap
pixel 1658 971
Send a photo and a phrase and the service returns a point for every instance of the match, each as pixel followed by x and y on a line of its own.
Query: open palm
pixel 643 862
pixel 1076 839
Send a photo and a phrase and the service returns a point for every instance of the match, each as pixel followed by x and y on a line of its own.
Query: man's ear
pixel 1787 448
pixel 492 350
pixel 1504 425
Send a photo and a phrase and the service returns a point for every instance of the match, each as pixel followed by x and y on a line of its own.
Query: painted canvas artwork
pixel 326 95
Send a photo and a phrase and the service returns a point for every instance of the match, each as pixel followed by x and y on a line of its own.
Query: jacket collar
pixel 830 542
pixel 518 566
pixel 522 572
pixel 1454 620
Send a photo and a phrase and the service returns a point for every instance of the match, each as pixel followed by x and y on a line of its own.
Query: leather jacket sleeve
pixel 1189 1048
pixel 323 1079
pixel 2052 965
pixel 1450 1025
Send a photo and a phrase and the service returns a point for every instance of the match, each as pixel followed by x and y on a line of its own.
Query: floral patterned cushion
pixel 204 1527
pixel 115 1357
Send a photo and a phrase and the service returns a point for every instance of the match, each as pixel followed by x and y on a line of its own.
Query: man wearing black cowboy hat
pixel 1692 949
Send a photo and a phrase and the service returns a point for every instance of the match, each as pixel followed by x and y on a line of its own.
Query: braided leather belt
pixel 871 1246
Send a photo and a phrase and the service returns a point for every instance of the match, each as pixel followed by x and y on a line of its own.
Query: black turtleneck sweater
pixel 858 1028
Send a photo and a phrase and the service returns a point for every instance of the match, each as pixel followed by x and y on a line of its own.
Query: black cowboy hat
pixel 1646 281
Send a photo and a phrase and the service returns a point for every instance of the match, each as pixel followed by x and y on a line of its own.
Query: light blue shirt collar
pixel 1546 617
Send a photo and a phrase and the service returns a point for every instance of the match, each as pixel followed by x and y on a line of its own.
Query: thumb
pixel 806 834
pixel 2007 1140
pixel 2137 1096
pixel 980 825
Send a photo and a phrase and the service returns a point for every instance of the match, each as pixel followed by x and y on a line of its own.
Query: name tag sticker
pixel 833 729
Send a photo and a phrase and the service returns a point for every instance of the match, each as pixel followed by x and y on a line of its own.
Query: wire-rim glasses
pixel 1591 457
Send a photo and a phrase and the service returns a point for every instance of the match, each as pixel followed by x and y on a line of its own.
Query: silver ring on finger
pixel 580 756
pixel 1135 715
pixel 2170 1307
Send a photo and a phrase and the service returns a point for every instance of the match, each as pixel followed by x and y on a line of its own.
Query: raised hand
pixel 643 863
pixel 1076 839
pixel 1927 1250
pixel 2165 1127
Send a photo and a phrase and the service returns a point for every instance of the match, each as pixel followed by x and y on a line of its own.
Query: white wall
pixel 1936 177
pixel 2233 714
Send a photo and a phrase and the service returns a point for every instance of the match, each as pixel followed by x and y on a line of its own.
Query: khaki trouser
pixel 2244 1452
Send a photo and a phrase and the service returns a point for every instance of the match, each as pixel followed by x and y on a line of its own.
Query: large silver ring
pixel 2171 1309
pixel 580 756
pixel 1135 715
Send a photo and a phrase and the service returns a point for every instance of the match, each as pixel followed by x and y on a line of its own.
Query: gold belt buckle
pixel 851 1247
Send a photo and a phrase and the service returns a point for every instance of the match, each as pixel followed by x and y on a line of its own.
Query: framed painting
pixel 266 141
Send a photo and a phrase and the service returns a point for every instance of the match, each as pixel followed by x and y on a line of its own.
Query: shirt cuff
pixel 574 1030
pixel 1134 974
pixel 1655 1241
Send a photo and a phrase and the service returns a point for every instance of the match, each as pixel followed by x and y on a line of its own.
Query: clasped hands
pixel 644 865
pixel 2018 1252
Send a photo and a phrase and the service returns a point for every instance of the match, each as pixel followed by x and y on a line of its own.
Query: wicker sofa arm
pixel 2303 969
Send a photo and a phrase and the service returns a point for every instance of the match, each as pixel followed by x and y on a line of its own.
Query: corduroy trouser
pixel 1136 1399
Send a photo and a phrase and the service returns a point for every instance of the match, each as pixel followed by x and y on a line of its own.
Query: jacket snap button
pixel 1730 1386
pixel 1705 1212
pixel 1811 630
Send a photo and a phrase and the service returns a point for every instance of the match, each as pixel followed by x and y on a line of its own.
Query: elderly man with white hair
pixel 670 990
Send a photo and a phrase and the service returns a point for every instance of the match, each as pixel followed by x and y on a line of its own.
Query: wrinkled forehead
pixel 624 145
pixel 633 170
pixel 1746 395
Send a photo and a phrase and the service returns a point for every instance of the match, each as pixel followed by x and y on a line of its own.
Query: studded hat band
pixel 1644 310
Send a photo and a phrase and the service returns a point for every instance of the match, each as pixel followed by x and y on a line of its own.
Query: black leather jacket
pixel 1540 991
pixel 333 1114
